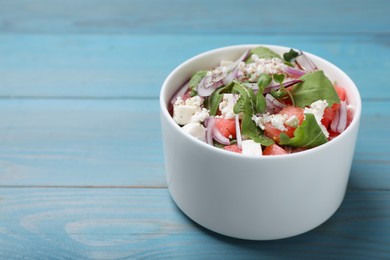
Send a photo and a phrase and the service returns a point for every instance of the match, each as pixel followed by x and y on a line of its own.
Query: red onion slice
pixel 243 57
pixel 209 123
pixel 238 132
pixel 180 92
pixel 277 86
pixel 231 76
pixel 209 83
pixel 294 72
pixel 343 117
pixel 339 122
pixel 212 133
pixel 219 137
pixel 273 105
pixel 335 121
pixel 305 63
pixel 207 86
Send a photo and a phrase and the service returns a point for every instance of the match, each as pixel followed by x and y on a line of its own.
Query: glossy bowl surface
pixel 270 197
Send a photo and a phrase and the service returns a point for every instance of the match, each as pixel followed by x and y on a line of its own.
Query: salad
pixel 262 104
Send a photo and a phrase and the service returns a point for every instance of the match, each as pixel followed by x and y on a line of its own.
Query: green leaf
pixel 216 98
pixel 263 82
pixel 247 100
pixel 278 94
pixel 246 104
pixel 279 78
pixel 259 137
pixel 261 103
pixel 263 53
pixel 196 78
pixel 307 135
pixel 291 55
pixel 315 86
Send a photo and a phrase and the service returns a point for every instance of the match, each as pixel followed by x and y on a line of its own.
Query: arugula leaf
pixel 216 98
pixel 263 53
pixel 291 55
pixel 196 78
pixel 247 100
pixel 307 135
pixel 256 134
pixel 246 104
pixel 263 82
pixel 315 86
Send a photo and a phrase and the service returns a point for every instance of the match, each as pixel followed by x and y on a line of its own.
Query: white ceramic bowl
pixel 263 198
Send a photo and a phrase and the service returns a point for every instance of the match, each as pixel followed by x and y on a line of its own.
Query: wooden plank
pixel 118 66
pixel 234 17
pixel 117 142
pixel 105 142
pixel 145 224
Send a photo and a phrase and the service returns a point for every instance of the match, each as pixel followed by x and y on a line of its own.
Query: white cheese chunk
pixel 226 106
pixel 253 70
pixel 196 130
pixel 292 121
pixel 277 120
pixel 317 108
pixel 194 101
pixel 188 111
pixel 182 114
pixel 250 147
pixel 200 116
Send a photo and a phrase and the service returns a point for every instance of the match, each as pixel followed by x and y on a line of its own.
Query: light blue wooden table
pixel 81 162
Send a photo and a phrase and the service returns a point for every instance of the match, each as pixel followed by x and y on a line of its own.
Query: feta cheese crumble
pixel 188 111
pixel 196 130
pixel 253 70
pixel 292 121
pixel 200 116
pixel 250 147
pixel 226 106
pixel 277 120
pixel 317 108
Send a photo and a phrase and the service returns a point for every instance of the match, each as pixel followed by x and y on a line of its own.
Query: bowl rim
pixel 164 109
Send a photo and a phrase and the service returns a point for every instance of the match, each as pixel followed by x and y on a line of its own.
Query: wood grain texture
pixel 81 163
pixel 145 224
pixel 120 66
pixel 148 16
pixel 115 142
pixel 81 142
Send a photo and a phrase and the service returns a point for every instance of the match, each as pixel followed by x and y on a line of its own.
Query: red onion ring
pixel 339 122
pixel 212 133
pixel 180 93
pixel 335 121
pixel 305 63
pixel 208 84
pixel 209 123
pixel 273 105
pixel 293 71
pixel 231 76
pixel 206 89
pixel 243 57
pixel 219 137
pixel 343 117
pixel 285 84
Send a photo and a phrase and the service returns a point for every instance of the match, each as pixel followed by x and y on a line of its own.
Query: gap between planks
pixel 81 187
pixel 349 189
